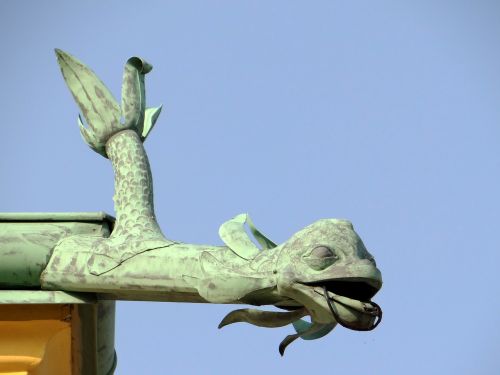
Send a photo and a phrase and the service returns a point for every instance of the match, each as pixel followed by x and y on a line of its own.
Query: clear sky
pixel 386 113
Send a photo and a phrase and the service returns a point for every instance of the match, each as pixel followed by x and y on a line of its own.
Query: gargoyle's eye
pixel 320 258
pixel 321 252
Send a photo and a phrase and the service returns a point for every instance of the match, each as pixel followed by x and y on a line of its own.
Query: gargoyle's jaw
pixel 344 300
pixel 355 312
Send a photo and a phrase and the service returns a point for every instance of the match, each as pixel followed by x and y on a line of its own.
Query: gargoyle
pixel 323 271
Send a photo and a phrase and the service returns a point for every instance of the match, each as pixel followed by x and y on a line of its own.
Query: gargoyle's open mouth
pixel 349 302
pixel 370 311
pixel 360 290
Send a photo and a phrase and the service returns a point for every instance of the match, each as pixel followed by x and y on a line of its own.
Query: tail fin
pixel 98 106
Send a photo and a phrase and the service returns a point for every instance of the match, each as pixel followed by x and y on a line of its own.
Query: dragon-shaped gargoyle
pixel 323 271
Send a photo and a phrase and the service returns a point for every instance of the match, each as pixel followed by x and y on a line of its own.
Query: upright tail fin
pixel 98 106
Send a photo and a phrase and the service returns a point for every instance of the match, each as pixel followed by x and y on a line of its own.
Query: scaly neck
pixel 133 197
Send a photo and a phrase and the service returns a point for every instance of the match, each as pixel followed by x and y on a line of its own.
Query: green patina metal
pixel 26 244
pixel 323 271
pixel 27 241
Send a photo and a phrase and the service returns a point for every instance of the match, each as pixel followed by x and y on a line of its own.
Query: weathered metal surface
pixel 93 336
pixel 92 217
pixel 323 271
pixel 27 241
pixel 106 357
pixel 44 297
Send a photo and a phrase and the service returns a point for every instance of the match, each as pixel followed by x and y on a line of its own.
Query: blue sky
pixel 386 113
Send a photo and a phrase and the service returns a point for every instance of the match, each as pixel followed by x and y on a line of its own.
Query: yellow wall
pixel 35 339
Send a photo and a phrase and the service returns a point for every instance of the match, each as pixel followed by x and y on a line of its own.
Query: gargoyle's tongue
pixel 353 314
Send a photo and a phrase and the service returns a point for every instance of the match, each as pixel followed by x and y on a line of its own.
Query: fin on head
pixel 234 235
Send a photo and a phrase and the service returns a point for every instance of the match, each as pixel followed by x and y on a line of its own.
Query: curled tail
pixel 117 134
pixel 98 106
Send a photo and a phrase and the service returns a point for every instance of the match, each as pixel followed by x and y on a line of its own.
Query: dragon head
pixel 324 271
pixel 326 268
